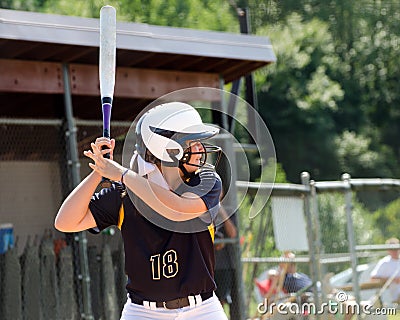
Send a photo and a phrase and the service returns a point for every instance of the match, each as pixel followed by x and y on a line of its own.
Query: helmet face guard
pixel 208 150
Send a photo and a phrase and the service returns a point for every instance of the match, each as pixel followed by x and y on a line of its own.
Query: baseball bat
pixel 108 44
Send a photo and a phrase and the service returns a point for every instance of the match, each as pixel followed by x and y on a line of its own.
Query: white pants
pixel 209 309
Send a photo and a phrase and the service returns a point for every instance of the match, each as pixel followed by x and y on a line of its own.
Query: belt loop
pixel 192 301
pixel 153 305
pixel 146 304
pixel 199 300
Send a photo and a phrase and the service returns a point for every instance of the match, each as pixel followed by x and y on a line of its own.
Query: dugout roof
pixel 151 61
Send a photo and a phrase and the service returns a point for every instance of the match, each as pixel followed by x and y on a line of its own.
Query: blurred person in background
pixel 388 269
pixel 284 280
pixel 268 286
pixel 294 281
pixel 285 286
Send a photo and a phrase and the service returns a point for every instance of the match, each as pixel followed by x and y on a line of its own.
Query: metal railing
pixel 309 192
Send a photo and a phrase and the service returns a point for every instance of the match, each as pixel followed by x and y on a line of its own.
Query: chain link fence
pixel 41 269
pixel 335 238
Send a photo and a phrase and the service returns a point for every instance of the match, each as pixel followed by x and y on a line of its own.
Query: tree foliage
pixel 195 14
pixel 344 66
pixel 386 219
pixel 333 225
pixel 298 96
pixel 356 154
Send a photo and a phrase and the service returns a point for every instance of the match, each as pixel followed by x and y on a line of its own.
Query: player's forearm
pixel 229 226
pixel 230 229
pixel 165 202
pixel 74 214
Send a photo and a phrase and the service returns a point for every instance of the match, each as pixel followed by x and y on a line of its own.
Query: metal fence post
pixel 350 235
pixel 305 179
pixel 230 203
pixel 74 163
pixel 317 230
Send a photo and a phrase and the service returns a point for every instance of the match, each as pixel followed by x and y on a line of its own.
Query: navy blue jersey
pixel 161 264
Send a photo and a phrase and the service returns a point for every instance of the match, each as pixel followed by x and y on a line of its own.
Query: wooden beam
pixel 32 77
pixel 373 284
pixel 140 83
pixel 46 77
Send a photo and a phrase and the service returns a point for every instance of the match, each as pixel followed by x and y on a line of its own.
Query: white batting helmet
pixel 166 130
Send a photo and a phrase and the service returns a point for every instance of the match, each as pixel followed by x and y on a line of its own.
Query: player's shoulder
pixel 208 173
pixel 210 177
pixel 203 182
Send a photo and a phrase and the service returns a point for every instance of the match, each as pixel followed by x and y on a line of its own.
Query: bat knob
pixel 105 183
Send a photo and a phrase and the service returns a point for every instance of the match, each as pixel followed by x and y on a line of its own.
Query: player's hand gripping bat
pixel 108 41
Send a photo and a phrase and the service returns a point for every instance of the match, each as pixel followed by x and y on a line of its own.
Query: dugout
pixel 50 108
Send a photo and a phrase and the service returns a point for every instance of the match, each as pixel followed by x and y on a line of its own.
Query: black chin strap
pixel 187 176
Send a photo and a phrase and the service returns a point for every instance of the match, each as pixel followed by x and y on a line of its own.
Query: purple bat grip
pixel 106 119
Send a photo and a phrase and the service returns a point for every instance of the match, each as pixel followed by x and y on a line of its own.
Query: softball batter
pixel 172 190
